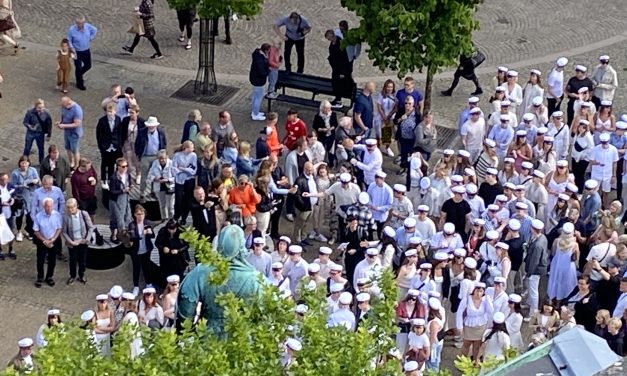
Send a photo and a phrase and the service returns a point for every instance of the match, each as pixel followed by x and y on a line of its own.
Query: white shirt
pixel 474 134
pixel 496 345
pixel 621 306
pixel 602 253
pixel 515 95
pixel 295 272
pixel 371 164
pixel 364 270
pixel 417 342
pixel 313 188
pixel 607 157
pixel 342 317
pixel 555 82
pixel 561 140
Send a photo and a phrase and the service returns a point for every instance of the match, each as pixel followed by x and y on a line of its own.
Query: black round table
pixel 106 256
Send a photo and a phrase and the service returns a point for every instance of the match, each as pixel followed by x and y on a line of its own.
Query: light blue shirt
pixel 465 115
pixel 69 115
pixel 525 227
pixel 37 202
pixel 81 39
pixel 381 198
pixel 46 224
pixel 183 166
pixel 152 147
pixel 503 137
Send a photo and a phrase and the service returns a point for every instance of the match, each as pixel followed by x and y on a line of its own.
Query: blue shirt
pixel 37 202
pixel 402 94
pixel 591 204
pixel 363 107
pixel 381 198
pixel 152 147
pixel 525 227
pixel 80 39
pixel 184 166
pixel 68 115
pixel 465 115
pixel 46 224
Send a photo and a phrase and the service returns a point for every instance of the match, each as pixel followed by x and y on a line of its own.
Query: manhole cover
pixel 447 138
pixel 223 95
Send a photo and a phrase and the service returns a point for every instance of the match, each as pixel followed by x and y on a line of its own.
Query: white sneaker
pixel 258 117
pixel 527 319
pixel 290 217
pixel 136 291
pixel 104 185
pixel 312 235
pixel 138 179
pixel 321 238
pixel 19 237
pixel 389 152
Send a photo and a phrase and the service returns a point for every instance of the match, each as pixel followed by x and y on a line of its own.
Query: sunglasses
pixel 122 166
pixel 412 298
pixel 276 269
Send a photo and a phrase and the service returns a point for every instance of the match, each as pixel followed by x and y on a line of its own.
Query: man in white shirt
pixel 495 117
pixel 561 135
pixel 603 159
pixel 343 316
pixel 372 160
pixel 555 86
pixel 295 268
pixel 425 226
pixel 602 253
pixel 260 259
pixel 364 269
pixel 276 278
pixel 539 111
pixel 473 133
pixel 605 81
pixel 621 304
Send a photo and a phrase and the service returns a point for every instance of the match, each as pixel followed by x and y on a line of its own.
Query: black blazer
pixel 116 186
pixel 134 235
pixel 205 227
pixel 585 313
pixel 107 138
pixel 319 123
pixel 302 203
pixel 142 141
pixel 124 128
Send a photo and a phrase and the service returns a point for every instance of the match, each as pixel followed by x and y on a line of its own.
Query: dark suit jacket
pixel 142 141
pixel 124 128
pixel 205 227
pixel 105 137
pixel 302 203
pixel 134 235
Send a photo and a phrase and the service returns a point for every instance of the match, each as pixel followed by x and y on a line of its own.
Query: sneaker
pixel 312 235
pixel 156 56
pixel 82 280
pixel 401 171
pixel 479 91
pixel 38 283
pixel 57 87
pixel 29 236
pixel 321 238
pixel 188 46
pixel 272 95
pixel 397 160
pixel 389 152
pixel 12 255
pixel 181 38
pixel 289 217
pixel 104 185
pixel 331 241
pixel 19 237
pixel 136 290
pixel 458 345
pixel 258 117
pixel 127 50
pixel 50 282
pixel 446 93
pixel 70 281
pixel 336 104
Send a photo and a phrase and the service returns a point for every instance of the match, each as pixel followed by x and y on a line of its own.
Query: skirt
pixel 473 333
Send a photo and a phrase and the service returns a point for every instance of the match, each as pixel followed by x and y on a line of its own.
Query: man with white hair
pixel 47 190
pixel 345 130
pixel 47 227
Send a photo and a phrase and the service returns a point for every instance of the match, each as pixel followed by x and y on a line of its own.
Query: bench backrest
pixel 313 84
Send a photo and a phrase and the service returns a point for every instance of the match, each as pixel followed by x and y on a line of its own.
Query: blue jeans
pixel 436 355
pixel 273 77
pixel 257 96
pixel 38 137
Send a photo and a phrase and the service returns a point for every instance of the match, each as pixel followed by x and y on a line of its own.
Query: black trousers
pixel 275 219
pixel 183 193
pixel 151 39
pixel 186 21
pixel 570 111
pixel 78 256
pixel 554 104
pixel 579 170
pixel 227 26
pixel 470 77
pixel 81 66
pixel 289 204
pixel 300 52
pixel 141 262
pixel 341 85
pixel 50 254
pixel 619 180
pixel 107 166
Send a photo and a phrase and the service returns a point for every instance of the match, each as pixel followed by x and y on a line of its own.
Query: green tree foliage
pixel 406 36
pixel 218 8
pixel 254 344
pixel 468 367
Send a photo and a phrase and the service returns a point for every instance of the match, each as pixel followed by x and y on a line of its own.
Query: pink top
pixel 274 58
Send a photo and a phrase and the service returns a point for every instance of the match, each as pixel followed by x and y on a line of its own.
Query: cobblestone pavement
pixel 531 38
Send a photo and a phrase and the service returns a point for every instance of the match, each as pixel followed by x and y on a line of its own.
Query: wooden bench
pixel 312 84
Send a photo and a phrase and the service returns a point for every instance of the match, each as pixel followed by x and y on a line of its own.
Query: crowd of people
pixel 520 226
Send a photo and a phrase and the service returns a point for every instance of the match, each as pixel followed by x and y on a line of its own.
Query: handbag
pixel 7 24
pixel 477 58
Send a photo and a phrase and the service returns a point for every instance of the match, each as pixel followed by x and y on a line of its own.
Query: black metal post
pixel 206 83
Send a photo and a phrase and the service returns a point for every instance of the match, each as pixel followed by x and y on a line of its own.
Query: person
pixel 546 320
pixel 161 176
pixel 130 127
pixel 296 28
pixel 186 23
pixel 578 81
pixel 605 81
pixel 9 30
pixel 533 89
pixel 473 134
pixel 208 165
pixel 555 86
pixel 275 60
pixel 409 90
pixel 465 69
pixel 130 318
pixel 258 76
pixel 456 210
pixel 146 13
pixel 245 165
pixel 371 161
pixel 583 144
pixel 227 16
pixel 64 64
pixel 583 300
pixel 615 337
pixel 203 211
pixel 295 128
pixel 25 179
pixel 80 35
pixel 473 315
pixel 418 345
pixel 38 123
pixel 341 79
pixel 536 263
pixel 173 251
pixel 295 268
pixel 603 159
pixel 513 322
pixel 168 300
pixel 325 123
pixel 184 169
pixel 496 340
pixel 47 226
pixel 244 196
pixel 105 324
pixel 385 106
pixel 22 362
pixel 119 200
pixel 513 91
pixel 502 135
pixel 53 320
pixel 260 259
pixel 305 198
pixel 56 166
pixel 140 237
pixel 563 276
pixel 406 118
pixel 221 131
pixel 150 311
pixel 363 111
pixel 148 142
pixel 72 124
pixel 191 126
pixel 108 139
pixel 76 231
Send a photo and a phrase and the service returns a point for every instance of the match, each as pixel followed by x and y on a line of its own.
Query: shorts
pixel 605 184
pixel 90 205
pixel 72 142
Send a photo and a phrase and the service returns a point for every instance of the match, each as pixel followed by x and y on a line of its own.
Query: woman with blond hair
pixel 245 165
pixel 184 168
pixel 606 232
pixel 105 324
pixel 563 277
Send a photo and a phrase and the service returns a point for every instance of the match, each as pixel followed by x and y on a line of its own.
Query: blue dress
pixel 563 275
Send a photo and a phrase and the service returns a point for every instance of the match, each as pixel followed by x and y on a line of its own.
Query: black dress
pixel 169 263
pixel 353 238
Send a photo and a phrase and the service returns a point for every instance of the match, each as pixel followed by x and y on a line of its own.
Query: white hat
pixel 389 231
pixel 336 267
pixel 505 103
pixel 345 177
pixel 527 165
pixel 173 278
pixel 604 58
pixel 400 188
pixel 536 72
pixel 479 284
pixel 415 240
pixel 363 297
pixel 410 366
pixel 501 198
pixel 128 296
pixel 562 61
pixel 515 298
pixel 471 188
pixel 492 235
pixel 498 318
pixel 325 250
pixel 621 125
pixel 152 121
pixel 362 281
pixel 539 174
pixel 149 290
pixel 473 100
pixel 294 344
pixel 489 142
pixel 520 187
pixel 295 248
pixel 514 224
pixel 504 117
pixel 409 222
pixel 536 101
pixel 54 312
pixel 440 256
pixel 285 239
pixel 500 89
pixel 102 297
pixel 259 240
pixel 277 265
pixel 537 224
pixel 88 315
pixel 313 268
pixel 542 130
pixel 591 184
pixel 491 171
pixel 363 198
pixel 463 153
pixel 572 187
pixel 480 221
pixel 459 189
pixel 425 183
pixel 457 178
pixel 413 292
pixel 568 228
pixel 604 137
pixel 411 252
pixel 459 252
pixel 475 110
pixel 336 287
pixel 606 103
pixel 502 69
pixel 521 133
pixel 346 298
pixel 512 73
pixel 522 206
pixel 371 141
pixel 563 196
pixel 586 104
pixel 509 160
pixel 470 263
pixel 448 151
pixel 301 308
pixel 116 292
pixel 426 265
pixel 417 322
pixel 372 251
pixel 583 90
pixel 557 114
pixel 381 174
pixel 448 228
pixel 502 245
pixel 26 342
pixel 562 163
pixel 581 68
pixel 509 184
pixel 500 279
pixel 435 304
pixel 493 207
pixel 528 116
pixel 423 208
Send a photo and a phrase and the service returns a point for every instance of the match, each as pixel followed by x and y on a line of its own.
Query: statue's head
pixel 231 242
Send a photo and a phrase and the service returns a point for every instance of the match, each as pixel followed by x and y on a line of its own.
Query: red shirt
pixel 295 131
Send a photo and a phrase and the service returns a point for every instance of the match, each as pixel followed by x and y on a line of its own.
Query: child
pixel 64 65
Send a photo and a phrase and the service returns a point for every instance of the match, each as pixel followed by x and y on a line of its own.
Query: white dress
pixel 513 323
pixel 137 347
pixel 529 92
pixel 555 187
pixel 103 340
pixel 496 345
